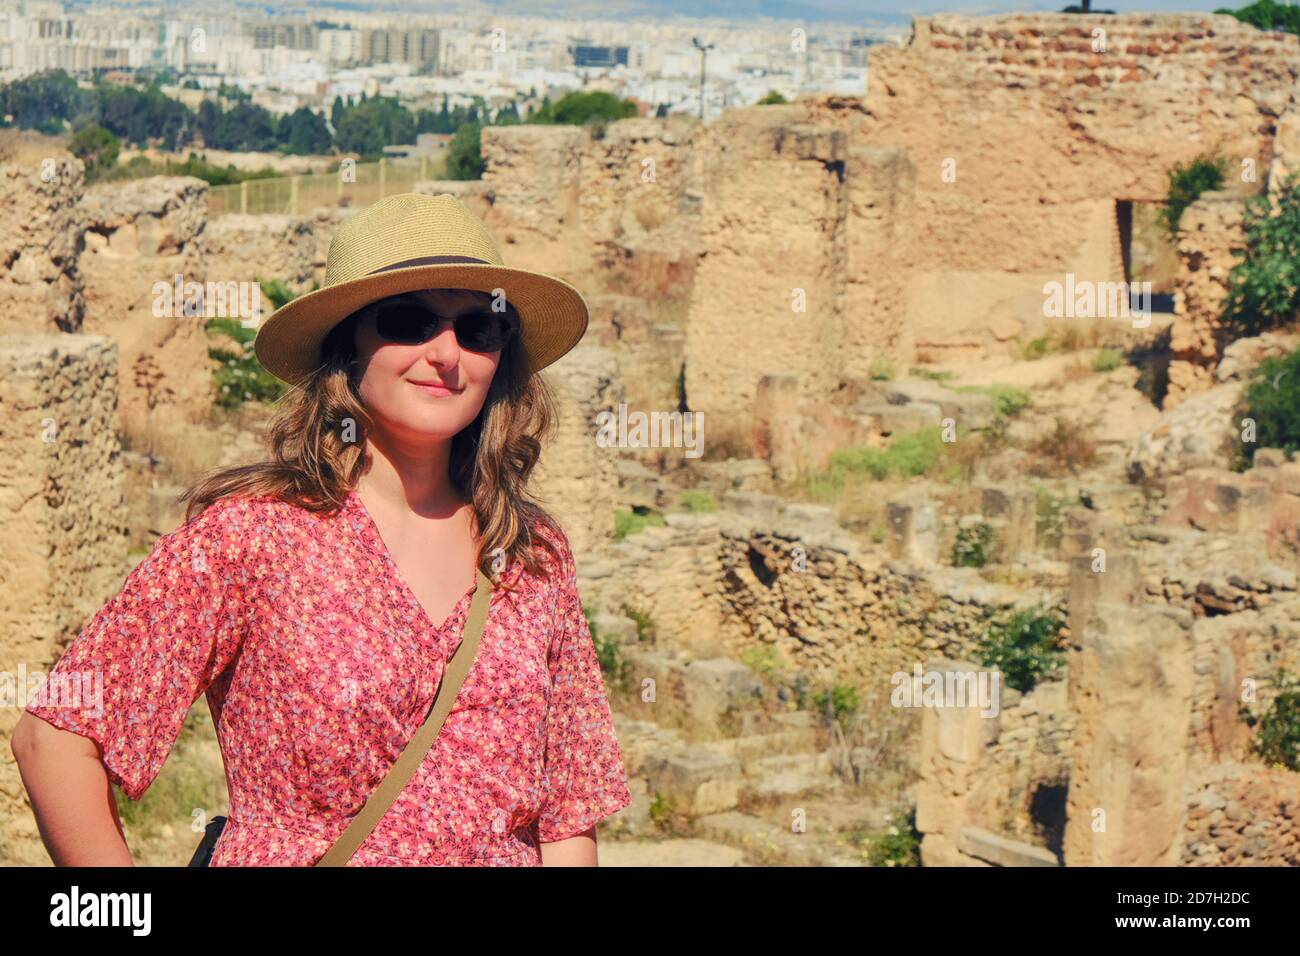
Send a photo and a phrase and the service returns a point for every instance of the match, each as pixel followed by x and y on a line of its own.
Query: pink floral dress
pixel 319 665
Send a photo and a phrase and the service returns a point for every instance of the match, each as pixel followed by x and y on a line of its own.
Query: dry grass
pixel 1064 450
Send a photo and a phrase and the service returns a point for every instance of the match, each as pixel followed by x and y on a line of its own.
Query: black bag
pixel 203 855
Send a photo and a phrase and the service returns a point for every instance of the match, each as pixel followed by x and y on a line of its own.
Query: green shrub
pixel 1008 400
pixel 909 455
pixel 836 702
pixel 932 374
pixel 698 502
pixel 240 377
pixel 1268 15
pixel 1277 740
pixel 612 664
pixel 897 844
pixel 630 522
pixel 1036 348
pixel 1186 183
pixel 972 545
pixel 1050 516
pixel 645 628
pixel 1264 287
pixel 1026 646
pixel 882 370
pixel 762 658
pixel 1273 401
pixel 278 292
pixel 1108 360
pixel 96 147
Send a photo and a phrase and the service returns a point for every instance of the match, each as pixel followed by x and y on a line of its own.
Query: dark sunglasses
pixel 410 321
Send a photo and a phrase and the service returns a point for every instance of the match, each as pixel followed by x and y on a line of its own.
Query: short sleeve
pixel 585 780
pixel 128 679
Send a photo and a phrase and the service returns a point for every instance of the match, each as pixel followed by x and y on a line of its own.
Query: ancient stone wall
pixel 1210 242
pixel 61 516
pixel 1021 189
pixel 40 285
pixel 139 234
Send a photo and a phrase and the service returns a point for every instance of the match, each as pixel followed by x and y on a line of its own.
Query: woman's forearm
pixel 577 850
pixel 71 796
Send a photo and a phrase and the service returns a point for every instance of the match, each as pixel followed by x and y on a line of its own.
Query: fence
pixel 358 185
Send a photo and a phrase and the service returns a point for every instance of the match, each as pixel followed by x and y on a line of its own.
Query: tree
pixel 36 100
pixel 373 124
pixel 1268 15
pixel 578 108
pixel 303 132
pixel 464 160
pixel 96 147
pixel 336 112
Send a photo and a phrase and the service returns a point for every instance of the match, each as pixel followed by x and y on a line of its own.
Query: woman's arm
pixel 71 796
pixel 577 850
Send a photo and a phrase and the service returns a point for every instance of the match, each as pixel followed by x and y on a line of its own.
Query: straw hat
pixel 406 243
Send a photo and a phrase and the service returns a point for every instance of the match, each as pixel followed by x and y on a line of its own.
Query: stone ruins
pixel 763 269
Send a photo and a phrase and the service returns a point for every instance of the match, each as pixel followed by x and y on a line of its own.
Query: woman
pixel 317 596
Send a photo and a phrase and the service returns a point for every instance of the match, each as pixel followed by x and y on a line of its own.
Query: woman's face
pixel 392 372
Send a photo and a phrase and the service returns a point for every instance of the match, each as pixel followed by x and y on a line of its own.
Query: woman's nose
pixel 442 345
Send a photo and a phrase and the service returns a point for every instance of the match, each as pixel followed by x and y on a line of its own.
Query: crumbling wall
pixel 61 516
pixel 139 234
pixel 40 284
pixel 1210 243
pixel 1026 129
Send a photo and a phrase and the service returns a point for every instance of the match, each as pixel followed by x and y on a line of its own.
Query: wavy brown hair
pixel 318 436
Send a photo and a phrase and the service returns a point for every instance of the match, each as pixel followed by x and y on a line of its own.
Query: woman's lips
pixel 432 388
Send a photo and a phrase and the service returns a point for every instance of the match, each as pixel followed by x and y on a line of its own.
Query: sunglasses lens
pixel 404 322
pixel 487 332
pixel 410 324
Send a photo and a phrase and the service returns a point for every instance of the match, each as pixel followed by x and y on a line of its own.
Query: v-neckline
pixel 381 548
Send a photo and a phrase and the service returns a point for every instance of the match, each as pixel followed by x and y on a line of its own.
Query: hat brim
pixel 553 314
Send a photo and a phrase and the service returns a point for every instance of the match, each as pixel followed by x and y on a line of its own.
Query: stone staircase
pixel 737 792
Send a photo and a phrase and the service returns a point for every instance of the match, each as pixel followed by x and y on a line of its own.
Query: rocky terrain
pixel 902 452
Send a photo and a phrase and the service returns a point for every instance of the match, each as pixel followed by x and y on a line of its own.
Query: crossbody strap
pixel 402 771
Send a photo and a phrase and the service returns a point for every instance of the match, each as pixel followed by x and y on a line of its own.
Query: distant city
pixel 286 61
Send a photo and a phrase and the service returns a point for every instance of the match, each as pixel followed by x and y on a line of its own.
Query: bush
pixel 240 377
pixel 1268 15
pixel 1186 183
pixel 96 147
pixel 836 702
pixel 630 522
pixel 1264 287
pixel 1108 360
pixel 464 153
pixel 1066 448
pixel 694 501
pixel 898 844
pixel 882 370
pixel 972 546
pixel 1278 739
pixel 1273 401
pixel 1026 646
pixel 1008 400
pixel 909 455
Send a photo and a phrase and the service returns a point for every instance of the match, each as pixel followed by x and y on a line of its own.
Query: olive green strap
pixel 402 771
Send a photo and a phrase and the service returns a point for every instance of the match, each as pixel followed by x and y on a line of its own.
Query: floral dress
pixel 319 664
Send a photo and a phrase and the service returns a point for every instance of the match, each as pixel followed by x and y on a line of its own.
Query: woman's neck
pixel 412 479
